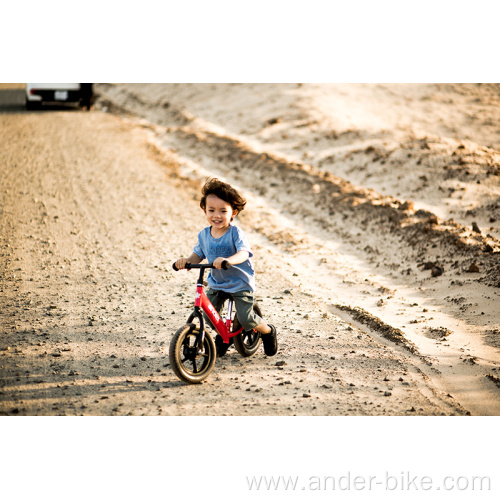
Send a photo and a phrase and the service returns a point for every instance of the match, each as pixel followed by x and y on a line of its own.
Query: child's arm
pixel 194 258
pixel 237 258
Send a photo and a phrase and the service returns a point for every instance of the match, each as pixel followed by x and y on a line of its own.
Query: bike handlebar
pixel 225 265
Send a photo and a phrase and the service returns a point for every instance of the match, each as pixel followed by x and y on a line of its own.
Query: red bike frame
pixel 202 305
pixel 224 328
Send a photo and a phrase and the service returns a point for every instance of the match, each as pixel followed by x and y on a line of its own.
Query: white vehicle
pixel 58 93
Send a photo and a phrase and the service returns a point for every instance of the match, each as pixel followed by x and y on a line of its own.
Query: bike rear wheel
pixel 247 342
pixel 190 364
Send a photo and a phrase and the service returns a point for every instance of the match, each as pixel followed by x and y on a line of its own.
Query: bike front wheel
pixel 247 342
pixel 191 363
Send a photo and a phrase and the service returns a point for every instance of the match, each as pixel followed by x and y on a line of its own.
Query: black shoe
pixel 220 346
pixel 270 341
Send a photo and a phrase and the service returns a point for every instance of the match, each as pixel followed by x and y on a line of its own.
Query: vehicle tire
pixel 247 343
pixel 32 105
pixel 189 365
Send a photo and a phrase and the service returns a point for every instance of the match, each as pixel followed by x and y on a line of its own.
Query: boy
pixel 223 241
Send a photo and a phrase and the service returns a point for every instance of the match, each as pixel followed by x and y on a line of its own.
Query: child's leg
pixel 217 299
pixel 250 320
pixel 263 328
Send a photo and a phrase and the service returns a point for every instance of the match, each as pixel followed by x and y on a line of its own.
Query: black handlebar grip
pixel 225 265
pixel 174 267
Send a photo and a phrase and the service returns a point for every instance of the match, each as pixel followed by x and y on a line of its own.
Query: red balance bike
pixel 192 349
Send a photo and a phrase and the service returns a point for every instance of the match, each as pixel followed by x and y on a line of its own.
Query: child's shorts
pixel 243 302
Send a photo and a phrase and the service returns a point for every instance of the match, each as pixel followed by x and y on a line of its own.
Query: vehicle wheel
pixel 32 105
pixel 188 364
pixel 247 343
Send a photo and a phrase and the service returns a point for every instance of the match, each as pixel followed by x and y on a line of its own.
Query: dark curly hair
pixel 224 191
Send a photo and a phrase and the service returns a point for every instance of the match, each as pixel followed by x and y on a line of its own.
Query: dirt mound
pixel 313 194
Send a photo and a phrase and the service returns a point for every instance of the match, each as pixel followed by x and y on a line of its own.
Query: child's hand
pixel 218 262
pixel 180 263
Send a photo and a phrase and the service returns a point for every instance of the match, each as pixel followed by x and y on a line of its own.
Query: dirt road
pixel 95 207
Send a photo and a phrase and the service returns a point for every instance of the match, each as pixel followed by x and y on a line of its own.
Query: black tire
pixel 188 365
pixel 32 105
pixel 247 343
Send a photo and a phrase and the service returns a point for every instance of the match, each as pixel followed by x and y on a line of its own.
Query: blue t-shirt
pixel 236 278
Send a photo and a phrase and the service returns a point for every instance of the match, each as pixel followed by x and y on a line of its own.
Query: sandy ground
pixel 373 214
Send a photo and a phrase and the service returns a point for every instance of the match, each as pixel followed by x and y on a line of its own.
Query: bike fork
pixel 201 335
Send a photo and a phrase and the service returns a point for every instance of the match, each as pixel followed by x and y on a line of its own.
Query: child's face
pixel 219 212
